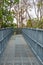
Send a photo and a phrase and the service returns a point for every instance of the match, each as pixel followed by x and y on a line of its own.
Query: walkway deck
pixel 17 52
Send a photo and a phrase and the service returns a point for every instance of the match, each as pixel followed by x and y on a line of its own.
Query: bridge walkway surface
pixel 18 52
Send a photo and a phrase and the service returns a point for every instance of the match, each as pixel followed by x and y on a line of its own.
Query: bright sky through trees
pixel 31 12
pixel 21 11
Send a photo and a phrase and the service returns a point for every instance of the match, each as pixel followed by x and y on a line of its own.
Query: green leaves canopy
pixel 16 1
pixel 29 23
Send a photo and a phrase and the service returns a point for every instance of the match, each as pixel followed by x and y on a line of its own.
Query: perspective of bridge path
pixel 18 52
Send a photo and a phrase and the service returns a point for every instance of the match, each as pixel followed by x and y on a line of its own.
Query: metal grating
pixel 8 64
pixel 17 63
pixel 27 63
pixel 18 53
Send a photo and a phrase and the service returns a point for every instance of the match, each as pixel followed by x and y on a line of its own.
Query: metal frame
pixel 34 37
pixel 5 35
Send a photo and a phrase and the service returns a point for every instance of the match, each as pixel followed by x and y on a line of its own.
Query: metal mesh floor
pixel 18 53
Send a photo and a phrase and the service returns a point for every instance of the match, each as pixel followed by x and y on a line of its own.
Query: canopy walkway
pixel 16 51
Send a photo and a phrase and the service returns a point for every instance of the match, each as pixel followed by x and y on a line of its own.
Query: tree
pixel 40 8
pixel 20 9
pixel 5 12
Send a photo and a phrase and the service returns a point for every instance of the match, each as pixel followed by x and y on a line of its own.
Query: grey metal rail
pixel 35 37
pixel 5 34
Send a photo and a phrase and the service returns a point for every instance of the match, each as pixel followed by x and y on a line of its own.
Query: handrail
pixel 34 37
pixel 5 34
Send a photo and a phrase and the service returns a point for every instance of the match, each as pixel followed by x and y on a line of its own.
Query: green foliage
pixel 16 1
pixel 9 16
pixel 35 23
pixel 5 14
pixel 13 25
pixel 29 23
pixel 7 2
pixel 3 25
pixel 40 3
pixel 0 14
pixel 40 24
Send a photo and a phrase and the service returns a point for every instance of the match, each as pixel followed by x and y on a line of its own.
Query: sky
pixel 32 13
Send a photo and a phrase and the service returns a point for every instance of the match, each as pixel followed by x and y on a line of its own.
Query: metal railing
pixel 34 38
pixel 5 34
